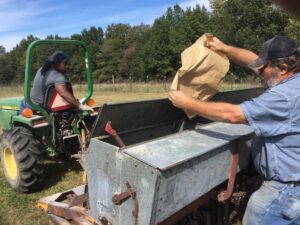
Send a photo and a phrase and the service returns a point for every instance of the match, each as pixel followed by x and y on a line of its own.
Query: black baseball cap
pixel 276 47
pixel 58 57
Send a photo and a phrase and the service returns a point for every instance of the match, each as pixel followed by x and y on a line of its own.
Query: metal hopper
pixel 167 162
pixel 147 163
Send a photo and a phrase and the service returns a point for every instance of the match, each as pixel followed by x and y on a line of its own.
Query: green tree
pixel 92 35
pixel 117 49
pixel 5 74
pixel 156 51
pixel 247 24
pixel 293 29
pixel 2 50
pixel 196 22
pixel 16 59
pixel 169 36
pixel 191 24
pixel 138 60
pixel 144 51
pixel 108 58
pixel 93 38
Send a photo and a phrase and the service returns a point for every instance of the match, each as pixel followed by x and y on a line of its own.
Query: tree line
pixel 152 52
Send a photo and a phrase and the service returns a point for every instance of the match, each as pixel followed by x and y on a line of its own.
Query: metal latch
pixel 118 199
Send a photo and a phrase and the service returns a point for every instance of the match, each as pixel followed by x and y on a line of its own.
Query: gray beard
pixel 273 81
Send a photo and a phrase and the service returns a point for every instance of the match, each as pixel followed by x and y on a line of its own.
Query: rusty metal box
pixel 167 173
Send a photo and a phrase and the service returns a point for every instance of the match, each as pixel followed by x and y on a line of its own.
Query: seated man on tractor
pixel 52 73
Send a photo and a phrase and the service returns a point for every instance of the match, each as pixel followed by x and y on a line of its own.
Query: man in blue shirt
pixel 275 119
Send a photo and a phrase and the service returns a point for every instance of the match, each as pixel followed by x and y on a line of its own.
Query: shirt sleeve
pixel 268 114
pixel 55 78
pixel 59 79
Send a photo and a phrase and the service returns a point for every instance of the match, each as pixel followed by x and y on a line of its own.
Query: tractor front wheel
pixel 21 159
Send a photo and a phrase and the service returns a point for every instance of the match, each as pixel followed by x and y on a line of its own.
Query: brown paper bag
pixel 202 72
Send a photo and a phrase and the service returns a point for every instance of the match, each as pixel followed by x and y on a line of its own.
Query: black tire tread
pixel 28 156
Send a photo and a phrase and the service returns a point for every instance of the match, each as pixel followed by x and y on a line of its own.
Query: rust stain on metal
pixel 224 195
pixel 130 192
pixel 58 221
pixel 62 213
pixel 77 200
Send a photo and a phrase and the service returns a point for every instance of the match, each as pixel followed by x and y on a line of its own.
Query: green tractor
pixel 54 129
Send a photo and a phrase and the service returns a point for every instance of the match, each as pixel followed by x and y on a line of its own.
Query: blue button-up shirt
pixel 275 119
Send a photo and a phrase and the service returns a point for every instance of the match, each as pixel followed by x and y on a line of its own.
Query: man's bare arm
pixel 65 94
pixel 239 55
pixel 216 111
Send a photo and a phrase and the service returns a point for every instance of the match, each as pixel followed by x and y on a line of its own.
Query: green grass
pixel 17 208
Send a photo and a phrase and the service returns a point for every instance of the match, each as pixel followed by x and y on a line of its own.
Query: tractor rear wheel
pixel 21 159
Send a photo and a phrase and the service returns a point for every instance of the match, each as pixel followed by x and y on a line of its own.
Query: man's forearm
pixel 217 111
pixel 239 55
pixel 70 98
pixel 65 94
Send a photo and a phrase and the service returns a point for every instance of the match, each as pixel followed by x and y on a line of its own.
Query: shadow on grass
pixel 55 171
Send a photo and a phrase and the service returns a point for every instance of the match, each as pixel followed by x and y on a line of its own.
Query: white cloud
pixel 14 17
pixel 147 15
pixel 19 18
pixel 133 17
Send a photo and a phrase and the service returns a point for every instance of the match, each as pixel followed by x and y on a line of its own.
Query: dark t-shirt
pixel 52 77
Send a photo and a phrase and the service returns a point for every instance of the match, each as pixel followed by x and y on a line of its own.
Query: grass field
pixel 17 208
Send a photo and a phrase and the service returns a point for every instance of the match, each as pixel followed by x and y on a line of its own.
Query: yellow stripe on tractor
pixel 9 107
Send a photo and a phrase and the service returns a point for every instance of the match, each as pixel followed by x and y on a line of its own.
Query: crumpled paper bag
pixel 202 72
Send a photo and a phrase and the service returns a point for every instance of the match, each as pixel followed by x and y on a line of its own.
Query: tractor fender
pixel 38 124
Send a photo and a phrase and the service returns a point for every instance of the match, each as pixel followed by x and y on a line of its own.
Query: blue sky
pixel 19 18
